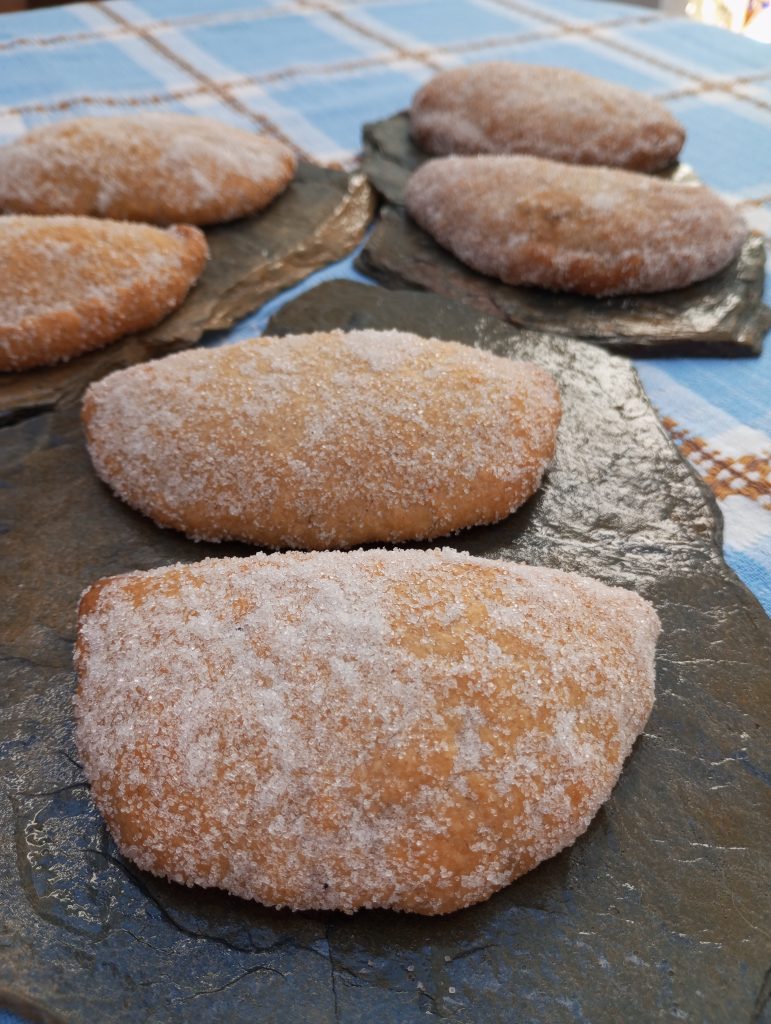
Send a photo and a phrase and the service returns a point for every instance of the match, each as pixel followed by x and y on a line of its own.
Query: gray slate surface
pixel 722 316
pixel 320 218
pixel 658 913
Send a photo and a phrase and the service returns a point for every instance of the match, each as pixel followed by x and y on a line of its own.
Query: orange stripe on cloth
pixel 748 475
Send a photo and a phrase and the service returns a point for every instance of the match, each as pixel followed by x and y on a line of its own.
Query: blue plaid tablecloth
pixel 313 71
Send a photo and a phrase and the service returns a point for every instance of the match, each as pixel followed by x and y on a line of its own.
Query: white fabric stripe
pixel 165 71
pixel 397 39
pixel 746 526
pixel 305 134
pixel 128 10
pixel 648 51
pixel 741 440
pixel 203 62
pixel 11 126
pixel 92 17
pixel 344 33
pixel 208 104
pixel 728 101
pixel 132 12
pixel 759 217
pixel 690 410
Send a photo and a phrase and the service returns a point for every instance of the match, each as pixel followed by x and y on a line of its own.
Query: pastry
pixel 72 284
pixel 405 729
pixel 160 168
pixel 592 230
pixel 499 107
pixel 324 440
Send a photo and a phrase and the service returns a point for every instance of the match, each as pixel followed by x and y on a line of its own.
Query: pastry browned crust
pixel 500 107
pixel 593 230
pixel 324 440
pixel 157 167
pixel 401 729
pixel 72 284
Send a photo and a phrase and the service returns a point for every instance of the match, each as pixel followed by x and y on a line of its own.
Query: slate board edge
pixel 640 346
pixel 708 497
pixel 358 199
pixel 711 503
pixel 716 537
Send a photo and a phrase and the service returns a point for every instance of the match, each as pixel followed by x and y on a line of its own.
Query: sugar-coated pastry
pixel 499 107
pixel 592 230
pixel 72 284
pixel 160 168
pixel 405 729
pixel 324 440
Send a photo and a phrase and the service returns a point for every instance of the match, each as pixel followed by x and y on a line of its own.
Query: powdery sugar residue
pixel 402 729
pixel 162 168
pixel 70 284
pixel 556 113
pixel 592 230
pixel 325 440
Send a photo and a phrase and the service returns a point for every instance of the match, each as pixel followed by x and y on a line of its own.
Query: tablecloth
pixel 313 71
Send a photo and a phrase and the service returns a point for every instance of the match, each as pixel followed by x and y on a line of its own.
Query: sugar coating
pixel 564 115
pixel 72 284
pixel 161 168
pixel 592 230
pixel 406 729
pixel 324 440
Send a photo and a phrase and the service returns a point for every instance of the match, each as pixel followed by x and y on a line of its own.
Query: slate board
pixel 723 316
pixel 659 912
pixel 320 218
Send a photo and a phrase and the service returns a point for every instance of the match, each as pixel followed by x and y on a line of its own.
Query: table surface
pixel 313 71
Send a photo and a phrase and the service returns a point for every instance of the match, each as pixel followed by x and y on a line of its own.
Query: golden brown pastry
pixel 499 107
pixel 72 284
pixel 405 729
pixel 324 440
pixel 160 168
pixel 592 230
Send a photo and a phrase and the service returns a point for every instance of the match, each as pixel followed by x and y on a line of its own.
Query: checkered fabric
pixel 312 72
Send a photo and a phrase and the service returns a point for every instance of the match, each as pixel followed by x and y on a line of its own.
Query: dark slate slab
pixel 723 316
pixel 319 219
pixel 659 912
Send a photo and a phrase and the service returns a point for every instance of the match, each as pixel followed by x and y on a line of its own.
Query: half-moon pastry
pixel 500 107
pixel 160 168
pixel 324 440
pixel 593 230
pixel 72 284
pixel 404 729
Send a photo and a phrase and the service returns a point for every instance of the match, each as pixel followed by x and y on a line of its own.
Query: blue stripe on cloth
pixel 696 391
pixel 754 570
pixel 699 48
pixel 591 57
pixel 39 24
pixel 270 43
pixel 739 388
pixel 154 10
pixel 728 143
pixel 691 410
pixel 456 21
pixel 36 75
pixel 340 105
pixel 587 10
